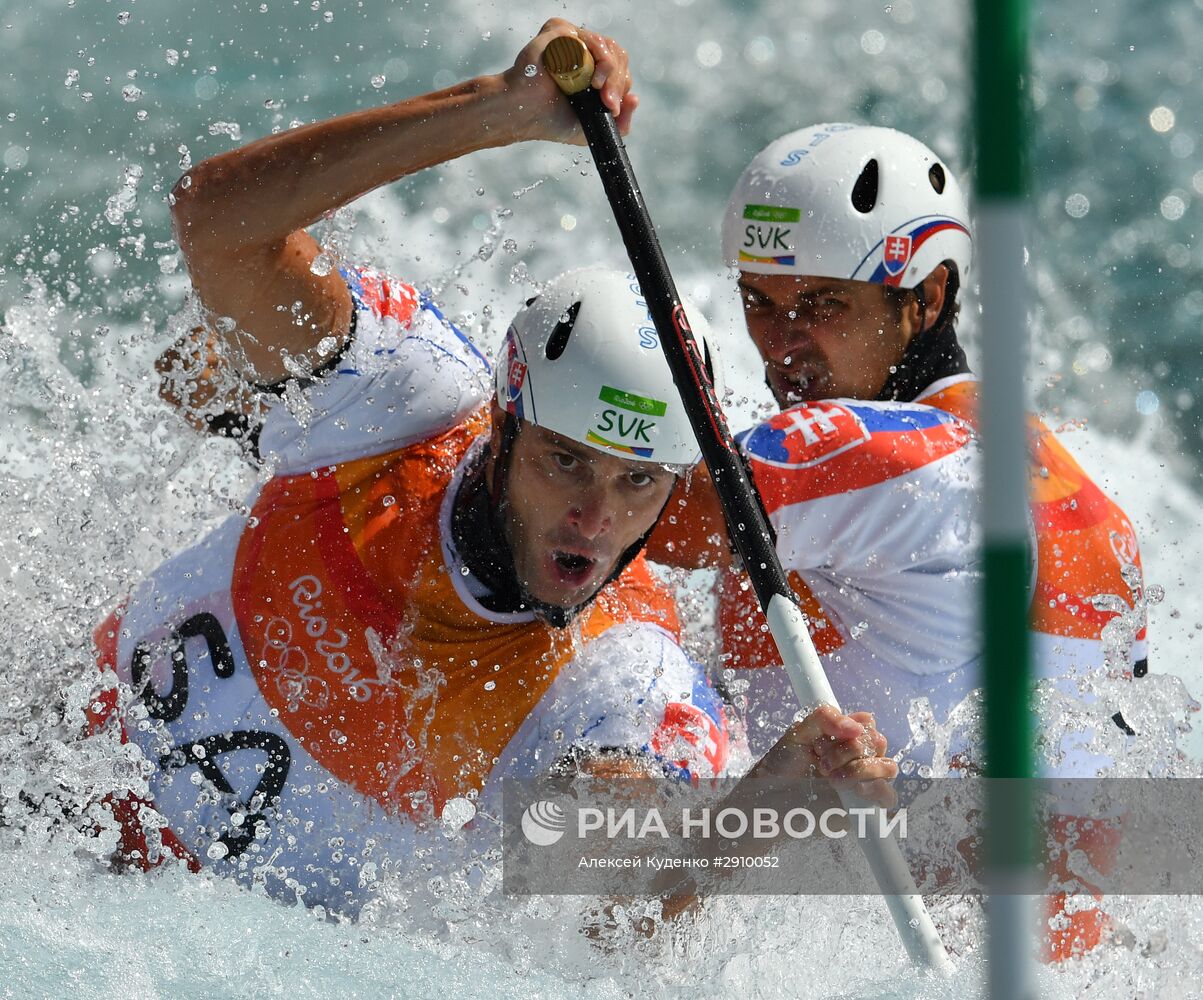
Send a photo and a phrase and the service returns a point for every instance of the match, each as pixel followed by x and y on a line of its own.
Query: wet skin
pixel 822 338
pixel 572 511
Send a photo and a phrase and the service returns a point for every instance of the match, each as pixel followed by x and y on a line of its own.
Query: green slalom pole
pixel 1000 127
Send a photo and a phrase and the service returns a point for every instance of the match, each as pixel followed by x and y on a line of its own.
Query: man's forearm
pixel 259 194
pixel 241 217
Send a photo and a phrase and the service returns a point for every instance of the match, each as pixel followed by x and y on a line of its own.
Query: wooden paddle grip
pixel 569 62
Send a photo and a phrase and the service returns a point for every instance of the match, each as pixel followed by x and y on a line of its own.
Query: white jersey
pixel 874 505
pixel 874 509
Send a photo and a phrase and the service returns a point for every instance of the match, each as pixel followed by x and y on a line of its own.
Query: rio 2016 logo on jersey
pixel 631 432
pixel 807 435
pixel 768 237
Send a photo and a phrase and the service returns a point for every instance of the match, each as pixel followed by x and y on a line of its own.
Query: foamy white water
pixel 99 482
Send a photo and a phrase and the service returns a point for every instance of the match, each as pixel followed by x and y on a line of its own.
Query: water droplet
pixel 490 685
pixel 123 17
pixel 217 850
pixel 15 157
pixel 1077 205
pixel 709 54
pixel 72 78
pixel 172 56
pixel 510 246
pixel 873 42
pixel 530 69
pixel 130 92
pixel 378 81
pixel 1147 403
pixel 232 129
pixel 1161 119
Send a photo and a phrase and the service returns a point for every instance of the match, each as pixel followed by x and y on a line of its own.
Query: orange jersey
pixel 316 681
pixel 1085 545
pixel 408 690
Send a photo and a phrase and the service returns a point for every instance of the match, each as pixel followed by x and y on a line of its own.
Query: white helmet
pixel 850 202
pixel 583 359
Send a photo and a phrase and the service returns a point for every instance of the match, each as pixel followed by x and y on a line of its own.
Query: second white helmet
pixel 850 202
pixel 583 359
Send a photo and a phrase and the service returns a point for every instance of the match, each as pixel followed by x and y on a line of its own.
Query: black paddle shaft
pixel 746 521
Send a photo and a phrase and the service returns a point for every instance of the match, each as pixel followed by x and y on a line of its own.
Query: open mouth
pixel 571 567
pixel 799 384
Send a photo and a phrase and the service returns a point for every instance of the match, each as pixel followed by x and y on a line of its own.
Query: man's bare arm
pixel 240 217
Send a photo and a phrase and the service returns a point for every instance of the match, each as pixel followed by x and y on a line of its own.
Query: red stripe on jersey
pixel 1082 509
pixel 1048 596
pixel 356 587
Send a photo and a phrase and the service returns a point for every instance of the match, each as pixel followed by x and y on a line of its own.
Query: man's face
pixel 822 338
pixel 572 511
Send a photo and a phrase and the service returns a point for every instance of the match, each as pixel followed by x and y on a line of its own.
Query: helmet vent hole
pixel 558 340
pixel 936 176
pixel 864 192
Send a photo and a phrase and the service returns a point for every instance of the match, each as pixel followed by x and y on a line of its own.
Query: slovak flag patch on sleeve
pixel 835 446
pixel 693 734
pixel 807 435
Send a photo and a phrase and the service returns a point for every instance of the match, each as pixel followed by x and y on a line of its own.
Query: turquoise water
pixel 98 482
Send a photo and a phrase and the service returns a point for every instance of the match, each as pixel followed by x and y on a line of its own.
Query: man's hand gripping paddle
pixel 571 66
